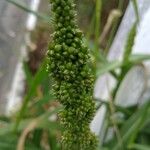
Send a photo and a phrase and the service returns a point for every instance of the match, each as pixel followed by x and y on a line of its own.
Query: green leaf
pixel 138 58
pixel 43 123
pixel 135 5
pixel 134 125
pixel 110 66
pixel 25 8
pixel 9 142
pixel 129 43
pixel 139 147
pixel 107 67
pixel 117 108
pixel 98 10
pixel 39 77
pixel 4 118
pixel 28 74
pixel 46 98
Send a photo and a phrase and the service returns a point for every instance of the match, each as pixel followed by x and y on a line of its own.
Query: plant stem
pixel 135 5
pixel 114 28
pixel 97 21
pixel 98 10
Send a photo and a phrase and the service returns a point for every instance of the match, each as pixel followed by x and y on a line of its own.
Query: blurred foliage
pixel 36 125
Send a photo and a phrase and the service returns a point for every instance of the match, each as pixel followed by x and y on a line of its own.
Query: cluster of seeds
pixel 73 79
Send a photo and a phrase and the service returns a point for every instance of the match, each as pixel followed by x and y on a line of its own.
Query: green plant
pixel 33 128
pixel 73 79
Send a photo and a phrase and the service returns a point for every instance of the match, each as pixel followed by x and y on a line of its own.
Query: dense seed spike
pixel 68 67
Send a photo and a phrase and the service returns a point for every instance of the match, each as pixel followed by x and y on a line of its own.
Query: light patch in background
pixel 32 19
pixel 132 87
pixel 97 123
pixel 102 89
pixel 103 86
pixel 142 40
pixel 15 96
pixel 17 89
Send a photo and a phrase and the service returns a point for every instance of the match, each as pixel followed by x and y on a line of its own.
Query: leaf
pixel 138 58
pixel 107 67
pixel 133 125
pixel 98 11
pixel 135 5
pixel 4 118
pixel 28 74
pixel 43 123
pixel 25 8
pixel 9 142
pixel 39 77
pixel 129 43
pixel 117 107
pixel 139 147
pixel 46 98
pixel 110 66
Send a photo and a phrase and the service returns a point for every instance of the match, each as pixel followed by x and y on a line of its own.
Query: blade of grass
pixel 40 75
pixel 139 147
pixel 5 145
pixel 133 125
pixel 135 5
pixel 98 10
pixel 126 55
pixel 90 28
pixel 113 16
pixel 110 66
pixel 43 120
pixel 129 43
pixel 9 142
pixel 28 74
pixel 143 119
pixel 25 8
pixel 118 108
pixel 114 27
pixel 134 117
pixel 46 98
pixel 137 58
pixel 97 21
pixel 34 124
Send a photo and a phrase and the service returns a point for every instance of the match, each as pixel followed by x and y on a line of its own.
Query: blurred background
pixel 117 32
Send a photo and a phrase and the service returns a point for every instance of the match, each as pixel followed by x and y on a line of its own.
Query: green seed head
pixel 68 59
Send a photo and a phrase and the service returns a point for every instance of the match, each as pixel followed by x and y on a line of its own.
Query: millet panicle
pixel 68 59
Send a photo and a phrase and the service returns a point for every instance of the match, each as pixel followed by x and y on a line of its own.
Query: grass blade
pixel 110 66
pixel 139 147
pixel 40 75
pixel 25 8
pixel 129 43
pixel 133 125
pixel 135 5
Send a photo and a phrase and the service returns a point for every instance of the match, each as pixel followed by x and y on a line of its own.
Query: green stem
pixel 98 9
pixel 97 21
pixel 114 28
pixel 135 5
